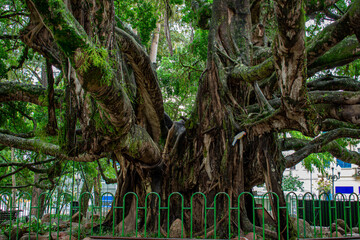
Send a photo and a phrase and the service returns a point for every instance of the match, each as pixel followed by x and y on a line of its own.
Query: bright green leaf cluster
pixel 291 183
pixel 141 15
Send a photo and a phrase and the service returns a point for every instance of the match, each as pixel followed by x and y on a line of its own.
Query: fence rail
pixel 197 217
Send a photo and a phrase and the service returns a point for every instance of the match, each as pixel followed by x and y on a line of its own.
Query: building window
pixel 343 164
pixel 343 189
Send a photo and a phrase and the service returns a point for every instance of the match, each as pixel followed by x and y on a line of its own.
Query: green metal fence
pixel 312 216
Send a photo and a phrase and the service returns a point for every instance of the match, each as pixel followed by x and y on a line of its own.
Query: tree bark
pixel 86 191
pixel 37 198
pixel 155 43
pixel 97 190
pixel 13 179
pixel 52 122
pixel 290 59
pixel 167 29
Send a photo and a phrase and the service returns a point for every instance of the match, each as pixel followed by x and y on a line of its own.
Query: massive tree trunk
pixel 211 158
pixel 201 154
pixel 231 141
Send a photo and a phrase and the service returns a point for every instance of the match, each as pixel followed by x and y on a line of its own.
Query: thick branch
pixel 330 49
pixel 21 135
pixel 318 143
pixel 335 97
pixel 288 144
pixel 91 62
pixel 334 83
pixel 255 73
pixel 37 170
pixel 343 153
pixel 97 77
pixel 345 113
pixel 146 81
pixel 37 145
pixel 333 148
pixel 331 124
pixel 138 145
pixel 343 53
pixel 14 91
pixel 318 6
pixel 255 108
pixel 335 32
pixel 106 179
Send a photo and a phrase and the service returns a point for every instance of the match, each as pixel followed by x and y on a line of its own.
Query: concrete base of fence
pixel 331 238
pixel 142 238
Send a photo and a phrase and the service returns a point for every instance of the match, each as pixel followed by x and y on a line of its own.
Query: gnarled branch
pixel 146 81
pixel 37 145
pixel 106 179
pixel 334 83
pixel 318 143
pixel 15 91
pixel 343 53
pixel 330 49
pixel 333 148
pixel 318 6
pixel 335 33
